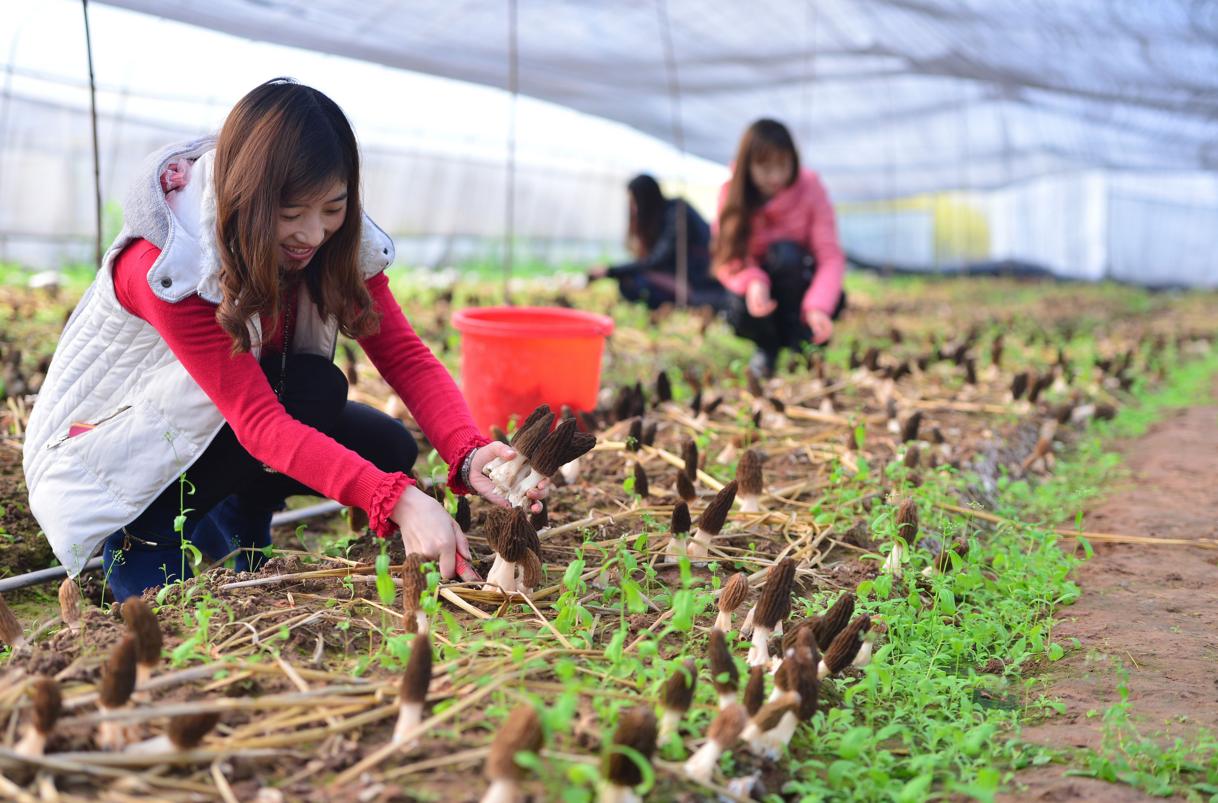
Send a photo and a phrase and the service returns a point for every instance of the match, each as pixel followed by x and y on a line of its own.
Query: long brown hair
pixel 647 217
pixel 285 141
pixel 763 141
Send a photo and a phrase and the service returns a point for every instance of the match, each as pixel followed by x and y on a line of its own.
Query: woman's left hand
pixel 821 326
pixel 486 489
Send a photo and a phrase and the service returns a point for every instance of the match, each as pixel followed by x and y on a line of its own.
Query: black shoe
pixel 761 364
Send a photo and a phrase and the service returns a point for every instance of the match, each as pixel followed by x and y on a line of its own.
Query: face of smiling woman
pixel 304 224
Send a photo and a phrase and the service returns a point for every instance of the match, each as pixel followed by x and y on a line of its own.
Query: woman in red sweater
pixel 776 247
pixel 285 176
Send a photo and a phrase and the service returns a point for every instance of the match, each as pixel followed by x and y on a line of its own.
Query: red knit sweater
pixel 237 386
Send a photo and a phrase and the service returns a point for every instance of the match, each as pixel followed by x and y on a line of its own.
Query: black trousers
pixel 791 268
pixel 229 496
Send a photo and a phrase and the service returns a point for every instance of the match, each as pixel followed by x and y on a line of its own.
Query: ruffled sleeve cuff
pixel 384 497
pixel 466 444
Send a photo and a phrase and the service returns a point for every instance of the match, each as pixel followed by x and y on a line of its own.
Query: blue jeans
pixel 230 498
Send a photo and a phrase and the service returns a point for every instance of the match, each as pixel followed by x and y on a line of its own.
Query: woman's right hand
pixel 757 300
pixel 429 530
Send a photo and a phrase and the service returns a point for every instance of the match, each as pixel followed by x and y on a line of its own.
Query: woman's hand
pixel 429 530
pixel 757 300
pixel 821 326
pixel 598 272
pixel 486 489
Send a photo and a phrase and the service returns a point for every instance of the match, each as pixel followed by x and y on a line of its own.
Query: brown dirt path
pixel 1152 609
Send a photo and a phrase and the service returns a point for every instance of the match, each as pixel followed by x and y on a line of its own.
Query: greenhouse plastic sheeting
pixel 889 97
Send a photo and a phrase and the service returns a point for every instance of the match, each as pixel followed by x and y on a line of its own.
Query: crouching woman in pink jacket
pixel 776 248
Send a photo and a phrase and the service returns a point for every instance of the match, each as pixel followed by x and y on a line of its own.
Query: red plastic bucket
pixel 515 358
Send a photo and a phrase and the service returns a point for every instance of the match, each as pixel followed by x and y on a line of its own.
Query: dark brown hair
pixel 647 217
pixel 286 141
pixel 763 141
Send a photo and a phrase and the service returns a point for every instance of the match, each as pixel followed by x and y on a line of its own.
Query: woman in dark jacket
pixel 652 276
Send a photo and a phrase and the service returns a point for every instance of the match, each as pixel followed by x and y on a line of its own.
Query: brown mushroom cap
pixel 775 601
pixel 553 451
pixel 641 486
pixel 712 519
pixel 518 538
pixel 188 730
pixel 754 690
pixel 463 515
pixel 48 703
pixel 724 675
pixel 118 674
pixel 11 632
pixel 728 725
pixel 636 729
pixel 734 592
pixel 826 627
pixel 680 519
pixel 679 688
pixel 907 520
pixel 69 602
pixel 689 453
pixel 685 487
pixel 143 624
pixel 634 436
pixel 748 473
pixel 909 431
pixel 530 566
pixel 847 644
pixel 528 438
pixel 416 679
pixel 414 583
pixel 520 733
pixel 663 387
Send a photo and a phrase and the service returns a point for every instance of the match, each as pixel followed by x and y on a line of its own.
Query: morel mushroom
pixel 143 625
pixel 69 604
pixel 834 620
pixel 750 481
pixel 678 530
pixel 117 684
pixel 723 733
pixel 765 729
pixel 724 675
pixel 771 608
pixel 685 488
pixel 412 692
pixel 754 690
pixel 675 699
pixel 641 486
pixel 515 538
pixel 711 521
pixel 636 729
pixel 414 583
pixel 730 598
pixel 689 453
pixel 10 629
pixel 520 733
pixel 844 649
pixel 525 441
pixel 184 733
pixel 48 703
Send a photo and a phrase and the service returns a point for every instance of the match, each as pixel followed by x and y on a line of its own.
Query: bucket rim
pixel 527 322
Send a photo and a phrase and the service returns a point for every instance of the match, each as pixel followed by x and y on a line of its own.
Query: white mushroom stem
pixel 895 558
pixel 519 491
pixel 699 545
pixel 726 699
pixel 770 744
pixel 612 793
pixel 822 671
pixel 501 577
pixel 746 627
pixel 421 624
pixel 864 656
pixel 759 653
pixel 701 765
pixel 502 791
pixel 670 720
pixel 570 471
pixel 153 746
pixel 505 473
pixel 724 621
pixel 676 548
pixel 750 503
pixel 143 674
pixel 111 734
pixel 32 743
pixel 409 717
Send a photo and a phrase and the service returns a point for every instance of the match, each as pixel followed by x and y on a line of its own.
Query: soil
pixel 1149 609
